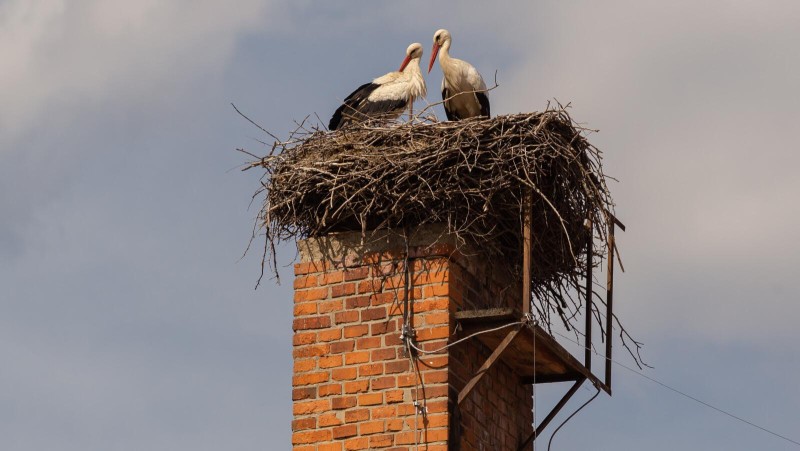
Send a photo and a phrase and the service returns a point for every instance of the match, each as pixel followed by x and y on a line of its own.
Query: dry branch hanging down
pixel 473 176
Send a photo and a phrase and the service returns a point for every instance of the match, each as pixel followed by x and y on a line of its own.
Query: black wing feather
pixel 350 106
pixel 483 99
pixel 451 115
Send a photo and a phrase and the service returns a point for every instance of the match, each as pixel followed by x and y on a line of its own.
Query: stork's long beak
pixel 405 62
pixel 434 52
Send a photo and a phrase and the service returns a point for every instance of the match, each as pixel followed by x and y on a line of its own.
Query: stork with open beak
pixel 463 90
pixel 384 97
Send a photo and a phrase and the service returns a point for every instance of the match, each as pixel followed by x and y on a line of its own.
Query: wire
pixel 434 351
pixel 550 442
pixel 687 395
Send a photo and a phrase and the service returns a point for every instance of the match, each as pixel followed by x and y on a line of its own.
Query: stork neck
pixel 444 52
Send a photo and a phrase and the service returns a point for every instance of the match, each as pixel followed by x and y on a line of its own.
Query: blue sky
pixel 128 320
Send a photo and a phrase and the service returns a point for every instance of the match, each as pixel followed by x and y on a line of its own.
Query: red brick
pixel 319 435
pixel 368 343
pixel 392 396
pixel 356 386
pixel 310 351
pixel 370 399
pixel 306 308
pixel 437 318
pixel 352 416
pixel 356 331
pixel 397 366
pixel 304 366
pixel 308 268
pixel 349 316
pixel 329 419
pixel 333 446
pixel 356 444
pixel 342 374
pixel 381 441
pixel 343 402
pixel 345 431
pixel 384 412
pixel 395 424
pixel 331 277
pixel 331 361
pixel 384 354
pixel 432 377
pixel 312 294
pixel 406 380
pixel 433 333
pixel 428 305
pixel 304 338
pixel 310 378
pixel 356 357
pixel 304 423
pixel 370 286
pixel 314 322
pixel 432 291
pixel 330 306
pixel 383 298
pixel 304 393
pixel 305 282
pixel 380 383
pixel 329 334
pixel 309 407
pixel 356 302
pixel 372 427
pixel 356 273
pixel 345 289
pixel 330 389
pixel 342 346
pixel 373 313
pixel 371 369
pixel 383 327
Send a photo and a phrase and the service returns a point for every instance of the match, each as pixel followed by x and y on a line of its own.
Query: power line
pixel 684 394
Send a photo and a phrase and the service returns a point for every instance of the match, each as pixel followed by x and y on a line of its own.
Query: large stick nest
pixel 474 176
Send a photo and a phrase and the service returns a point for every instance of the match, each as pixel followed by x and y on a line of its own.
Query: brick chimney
pixel 355 384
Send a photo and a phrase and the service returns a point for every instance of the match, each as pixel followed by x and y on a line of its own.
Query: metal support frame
pixel 488 363
pixel 527 256
pixel 557 408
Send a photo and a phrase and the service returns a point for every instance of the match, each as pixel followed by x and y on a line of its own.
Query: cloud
pixel 60 55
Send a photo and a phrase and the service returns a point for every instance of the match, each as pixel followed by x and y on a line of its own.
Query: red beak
pixel 405 62
pixel 434 53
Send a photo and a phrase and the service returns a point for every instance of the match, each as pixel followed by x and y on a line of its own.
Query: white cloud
pixel 60 54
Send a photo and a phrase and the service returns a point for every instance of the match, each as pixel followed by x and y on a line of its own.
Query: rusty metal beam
pixel 557 408
pixel 527 245
pixel 587 356
pixel 488 363
pixel 610 301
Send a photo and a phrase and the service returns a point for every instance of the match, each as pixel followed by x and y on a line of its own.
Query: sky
pixel 129 318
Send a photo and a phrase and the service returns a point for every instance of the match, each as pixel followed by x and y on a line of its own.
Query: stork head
pixel 414 51
pixel 441 37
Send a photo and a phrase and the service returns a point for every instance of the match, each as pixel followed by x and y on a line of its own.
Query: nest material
pixel 474 176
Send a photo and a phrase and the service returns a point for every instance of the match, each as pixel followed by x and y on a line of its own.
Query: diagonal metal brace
pixel 488 363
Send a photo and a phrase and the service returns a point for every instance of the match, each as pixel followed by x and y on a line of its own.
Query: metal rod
pixel 488 363
pixel 587 359
pixel 527 220
pixel 609 301
pixel 538 429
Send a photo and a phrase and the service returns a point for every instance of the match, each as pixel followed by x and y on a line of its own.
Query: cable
pixel 687 395
pixel 434 351
pixel 550 442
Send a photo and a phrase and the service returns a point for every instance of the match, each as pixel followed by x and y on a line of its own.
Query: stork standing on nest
pixel 387 96
pixel 463 90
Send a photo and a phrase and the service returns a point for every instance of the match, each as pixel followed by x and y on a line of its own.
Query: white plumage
pixel 463 89
pixel 387 96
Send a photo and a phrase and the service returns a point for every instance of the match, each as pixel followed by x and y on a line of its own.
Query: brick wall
pixel 355 385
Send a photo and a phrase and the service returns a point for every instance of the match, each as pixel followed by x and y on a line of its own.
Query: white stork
pixel 463 90
pixel 387 96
